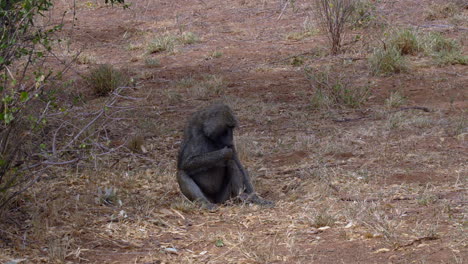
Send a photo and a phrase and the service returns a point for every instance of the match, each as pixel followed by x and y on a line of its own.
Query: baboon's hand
pixel 227 153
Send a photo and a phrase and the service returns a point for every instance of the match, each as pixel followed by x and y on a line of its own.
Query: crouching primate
pixel 209 170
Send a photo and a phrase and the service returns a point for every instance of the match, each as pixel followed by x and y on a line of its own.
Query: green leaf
pixel 219 243
pixel 8 117
pixel 24 96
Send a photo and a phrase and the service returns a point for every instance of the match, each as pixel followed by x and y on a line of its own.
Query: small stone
pixel 171 250
pixel 382 250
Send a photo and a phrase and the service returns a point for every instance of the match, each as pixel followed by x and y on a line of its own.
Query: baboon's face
pixel 219 129
pixel 226 138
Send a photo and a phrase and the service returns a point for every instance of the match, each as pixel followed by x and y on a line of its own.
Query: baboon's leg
pixel 234 187
pixel 190 189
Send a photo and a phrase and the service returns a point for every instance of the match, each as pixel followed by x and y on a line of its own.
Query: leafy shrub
pixel 24 103
pixel 29 106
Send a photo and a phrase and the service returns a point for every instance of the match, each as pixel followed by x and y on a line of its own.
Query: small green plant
pixel 151 62
pixel 386 61
pixel 323 219
pixel 406 41
pixel 427 199
pixel 395 100
pixel 186 82
pixel 214 55
pixel 212 85
pixel 108 196
pixel 450 58
pixel 364 14
pixel 85 59
pixel 438 43
pixel 136 144
pixel 161 44
pixel 333 91
pixel 188 38
pixel 443 50
pixel 296 36
pixel 219 242
pixel 297 61
pixel 104 79
pixel 217 54
pixel 395 121
pixel 184 206
pixel 443 10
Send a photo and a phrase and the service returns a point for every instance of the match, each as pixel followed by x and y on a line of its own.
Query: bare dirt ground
pixel 367 185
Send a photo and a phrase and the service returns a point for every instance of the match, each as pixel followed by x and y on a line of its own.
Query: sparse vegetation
pixel 136 143
pixel 296 36
pixel 332 89
pixel 395 100
pixel 364 14
pixel 108 196
pixel 188 38
pixel 214 55
pixel 161 44
pixel 184 206
pixel 86 59
pixel 104 79
pixel 167 42
pixel 387 61
pixel 406 41
pixel 152 62
pixel 323 219
pixel 444 10
pixel 391 57
pixel 444 51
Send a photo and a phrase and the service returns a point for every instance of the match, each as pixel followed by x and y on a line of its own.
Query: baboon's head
pixel 219 124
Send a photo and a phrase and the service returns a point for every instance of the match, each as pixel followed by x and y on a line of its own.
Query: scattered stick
pixel 425 109
pixel 348 119
pixel 418 241
pixel 283 9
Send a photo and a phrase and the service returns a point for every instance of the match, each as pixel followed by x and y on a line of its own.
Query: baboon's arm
pixel 206 160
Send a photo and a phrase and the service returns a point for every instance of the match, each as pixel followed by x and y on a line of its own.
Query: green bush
pixel 406 41
pixel 443 50
pixel 385 61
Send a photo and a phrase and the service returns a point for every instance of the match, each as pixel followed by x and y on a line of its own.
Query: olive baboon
pixel 209 169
